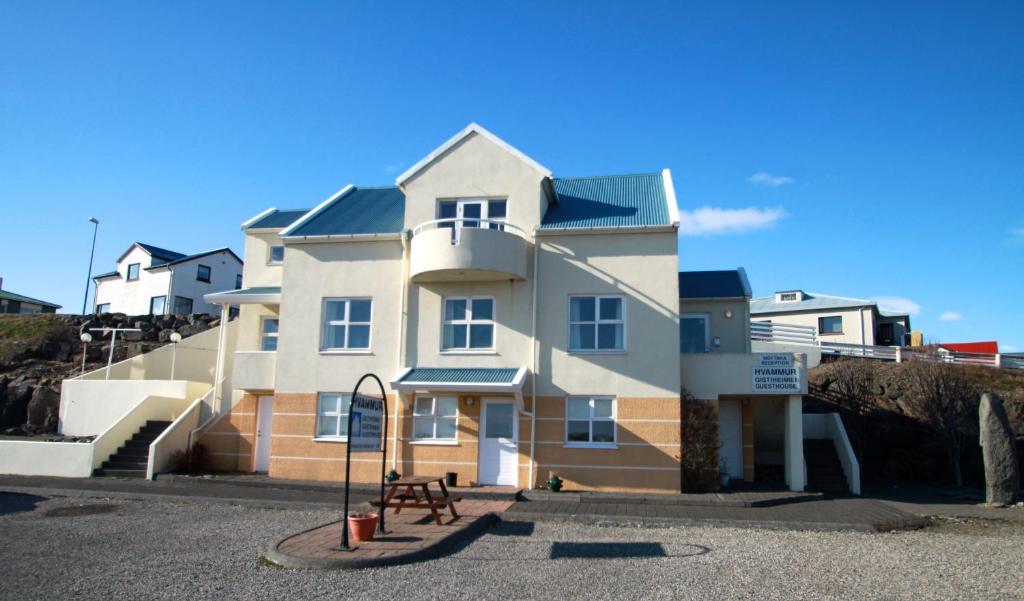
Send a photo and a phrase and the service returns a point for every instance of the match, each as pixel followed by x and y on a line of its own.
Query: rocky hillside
pixel 37 352
pixel 897 443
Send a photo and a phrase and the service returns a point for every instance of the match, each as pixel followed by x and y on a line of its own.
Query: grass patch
pixel 266 563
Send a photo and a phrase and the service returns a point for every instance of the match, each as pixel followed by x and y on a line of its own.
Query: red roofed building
pixel 990 347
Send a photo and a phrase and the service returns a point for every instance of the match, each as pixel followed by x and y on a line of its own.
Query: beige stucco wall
pixel 852 333
pixel 476 168
pixel 249 328
pixel 734 331
pixel 257 250
pixel 643 268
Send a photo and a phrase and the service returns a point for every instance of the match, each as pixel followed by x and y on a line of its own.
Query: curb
pixel 143 496
pixel 908 523
pixel 719 501
pixel 439 548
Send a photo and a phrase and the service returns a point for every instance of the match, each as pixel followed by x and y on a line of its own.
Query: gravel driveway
pixel 103 549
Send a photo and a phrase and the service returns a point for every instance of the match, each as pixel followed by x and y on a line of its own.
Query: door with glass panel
pixel 466 212
pixel 499 448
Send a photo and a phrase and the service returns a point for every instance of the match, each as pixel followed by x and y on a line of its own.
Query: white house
pixel 835 318
pixel 153 280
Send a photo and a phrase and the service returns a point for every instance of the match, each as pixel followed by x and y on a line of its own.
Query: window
pixel 787 296
pixel 203 273
pixel 693 333
pixel 133 272
pixel 830 325
pixel 596 323
pixel 182 305
pixel 156 305
pixel 268 334
pixel 434 418
pixel 275 255
pixel 238 281
pixel 468 209
pixel 346 324
pixel 468 323
pixel 103 308
pixel 332 415
pixel 590 421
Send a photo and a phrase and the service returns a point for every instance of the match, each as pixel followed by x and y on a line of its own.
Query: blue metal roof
pixel 185 258
pixel 461 375
pixel 278 219
pixel 608 201
pixel 5 294
pixel 811 302
pixel 713 284
pixel 160 254
pixel 243 292
pixel 358 211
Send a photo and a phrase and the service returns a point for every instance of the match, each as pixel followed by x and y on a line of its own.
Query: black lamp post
pixel 88 278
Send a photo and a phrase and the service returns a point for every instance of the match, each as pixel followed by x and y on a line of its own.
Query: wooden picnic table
pixel 421 498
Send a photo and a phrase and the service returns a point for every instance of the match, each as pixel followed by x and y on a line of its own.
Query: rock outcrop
pixel 999 449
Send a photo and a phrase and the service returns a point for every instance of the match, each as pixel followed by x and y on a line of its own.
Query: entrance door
pixel 730 435
pixel 264 417
pixel 499 446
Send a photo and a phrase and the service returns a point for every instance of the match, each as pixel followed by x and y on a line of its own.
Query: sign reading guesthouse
pixel 367 414
pixel 776 373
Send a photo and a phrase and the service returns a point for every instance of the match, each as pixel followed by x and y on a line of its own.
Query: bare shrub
pixel 946 399
pixel 699 449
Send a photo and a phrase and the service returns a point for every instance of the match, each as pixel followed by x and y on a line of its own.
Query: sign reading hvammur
pixel 776 373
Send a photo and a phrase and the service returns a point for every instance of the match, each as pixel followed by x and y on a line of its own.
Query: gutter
pixel 633 229
pixel 342 238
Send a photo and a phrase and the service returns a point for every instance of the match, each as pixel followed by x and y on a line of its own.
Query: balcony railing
pixel 470 249
pixel 254 370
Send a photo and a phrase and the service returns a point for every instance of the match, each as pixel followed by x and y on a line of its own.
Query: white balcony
pixel 254 370
pixel 467 250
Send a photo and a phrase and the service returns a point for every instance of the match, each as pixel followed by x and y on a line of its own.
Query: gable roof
pixel 160 255
pixel 185 258
pixel 730 283
pixel 811 301
pixel 638 200
pixel 353 211
pixel 4 294
pixel 274 218
pixel 469 130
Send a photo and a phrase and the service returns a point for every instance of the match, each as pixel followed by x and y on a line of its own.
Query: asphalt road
pixel 87 548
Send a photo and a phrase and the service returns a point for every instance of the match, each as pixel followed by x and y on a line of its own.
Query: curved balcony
pixel 448 250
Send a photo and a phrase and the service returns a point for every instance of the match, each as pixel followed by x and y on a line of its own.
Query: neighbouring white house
pixel 836 319
pixel 156 281
pixel 18 303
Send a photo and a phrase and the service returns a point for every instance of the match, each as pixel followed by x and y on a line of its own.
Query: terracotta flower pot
pixel 362 526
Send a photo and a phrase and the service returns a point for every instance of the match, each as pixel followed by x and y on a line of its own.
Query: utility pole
pixel 88 278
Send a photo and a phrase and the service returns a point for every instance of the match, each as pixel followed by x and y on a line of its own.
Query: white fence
pixel 767 331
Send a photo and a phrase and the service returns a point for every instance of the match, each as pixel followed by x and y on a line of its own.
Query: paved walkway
pixel 410 536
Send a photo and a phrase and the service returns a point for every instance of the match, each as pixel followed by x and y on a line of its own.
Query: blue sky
pixel 868 150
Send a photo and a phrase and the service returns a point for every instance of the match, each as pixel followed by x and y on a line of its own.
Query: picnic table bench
pixel 417 495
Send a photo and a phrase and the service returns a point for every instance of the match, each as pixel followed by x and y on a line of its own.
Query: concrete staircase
pixel 824 471
pixel 131 459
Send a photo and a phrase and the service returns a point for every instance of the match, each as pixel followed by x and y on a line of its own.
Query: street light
pixel 175 339
pixel 86 338
pixel 88 278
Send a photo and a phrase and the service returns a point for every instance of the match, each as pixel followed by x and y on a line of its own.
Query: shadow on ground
pixel 11 502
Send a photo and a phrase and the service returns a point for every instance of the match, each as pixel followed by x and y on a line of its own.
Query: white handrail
pixel 436 223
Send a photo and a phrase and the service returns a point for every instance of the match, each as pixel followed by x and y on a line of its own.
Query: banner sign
pixel 776 373
pixel 366 424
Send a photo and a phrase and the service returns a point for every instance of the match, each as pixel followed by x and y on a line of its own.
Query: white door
pixel 499 447
pixel 264 417
pixel 730 435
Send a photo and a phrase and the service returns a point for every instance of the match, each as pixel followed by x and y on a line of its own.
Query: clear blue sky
pixel 866 150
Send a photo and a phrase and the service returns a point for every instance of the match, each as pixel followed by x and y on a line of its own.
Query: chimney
pixel 1 283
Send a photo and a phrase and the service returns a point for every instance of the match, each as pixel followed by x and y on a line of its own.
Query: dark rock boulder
pixel 999 450
pixel 42 410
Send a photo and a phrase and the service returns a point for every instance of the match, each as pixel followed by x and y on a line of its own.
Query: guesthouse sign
pixel 776 373
pixel 365 433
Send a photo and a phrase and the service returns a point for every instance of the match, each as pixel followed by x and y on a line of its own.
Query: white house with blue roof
pixel 150 280
pixel 524 324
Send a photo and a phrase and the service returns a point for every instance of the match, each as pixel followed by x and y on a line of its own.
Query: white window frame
pixel 597 321
pixel 433 417
pixel 338 413
pixel 460 206
pixel 265 334
pixel 270 254
pixel 614 444
pixel 469 322
pixel 707 329
pixel 325 323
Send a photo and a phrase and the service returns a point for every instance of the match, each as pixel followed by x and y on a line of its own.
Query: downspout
pixel 218 374
pixel 170 291
pixel 533 356
pixel 401 343
pixel 861 313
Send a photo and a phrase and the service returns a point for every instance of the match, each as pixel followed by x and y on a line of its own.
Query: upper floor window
pixel 463 213
pixel 268 334
pixel 346 324
pixel 830 325
pixel 133 272
pixel 275 255
pixel 332 415
pixel 694 333
pixel 434 418
pixel 596 323
pixel 468 323
pixel 238 281
pixel 787 296
pixel 103 308
pixel 590 421
pixel 203 273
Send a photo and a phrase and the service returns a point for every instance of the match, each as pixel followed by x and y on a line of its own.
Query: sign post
pixel 367 433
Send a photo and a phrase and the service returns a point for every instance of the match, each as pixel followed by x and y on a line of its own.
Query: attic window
pixel 133 272
pixel 786 297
